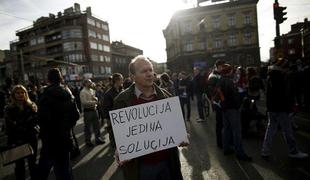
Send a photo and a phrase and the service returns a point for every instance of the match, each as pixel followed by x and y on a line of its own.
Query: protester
pixel 212 86
pixel 22 128
pixel 163 164
pixel 117 87
pixel 167 84
pixel 58 114
pixel 279 104
pixel 240 81
pixel 230 103
pixel 89 103
pixel 100 95
pixel 185 93
pixel 33 93
pixel 199 87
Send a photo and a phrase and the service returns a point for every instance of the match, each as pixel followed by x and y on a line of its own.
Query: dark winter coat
pixel 21 125
pixel 131 168
pixel 230 92
pixel 58 113
pixel 278 91
pixel 199 84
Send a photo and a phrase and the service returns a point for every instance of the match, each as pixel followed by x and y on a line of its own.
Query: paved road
pixel 202 159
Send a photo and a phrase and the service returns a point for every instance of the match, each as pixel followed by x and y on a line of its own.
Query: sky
pixel 139 23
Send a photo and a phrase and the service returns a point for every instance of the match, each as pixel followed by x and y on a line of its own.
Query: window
pixel 93 45
pixel 247 18
pixel 291 51
pixel 71 46
pixel 247 37
pixel 105 37
pixel 74 57
pixel 216 22
pixel 108 70
pixel 91 22
pixel 202 45
pixel 98 25
pixel 188 45
pixel 96 69
pixel 249 59
pixel 72 33
pixel 99 36
pixel 100 47
pixel 101 58
pixel 106 48
pixel 232 20
pixel 187 27
pixel 232 40
pixel 33 42
pixel 107 58
pixel 92 34
pixel 217 43
pixel 105 27
pixel 102 69
pixel 290 41
pixel 40 40
pixel 94 57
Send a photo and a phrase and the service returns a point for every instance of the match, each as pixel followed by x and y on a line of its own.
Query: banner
pixel 147 128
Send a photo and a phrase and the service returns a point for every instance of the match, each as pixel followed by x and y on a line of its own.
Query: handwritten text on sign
pixel 147 128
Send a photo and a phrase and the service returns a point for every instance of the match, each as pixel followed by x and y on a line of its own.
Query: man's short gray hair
pixel 132 68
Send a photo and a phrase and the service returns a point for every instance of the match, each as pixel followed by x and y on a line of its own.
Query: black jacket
pixel 57 113
pixel 278 95
pixel 230 92
pixel 108 100
pixel 21 125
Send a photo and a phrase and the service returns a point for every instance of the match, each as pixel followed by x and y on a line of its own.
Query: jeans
pixel 186 101
pixel 274 120
pixel 219 125
pixel 91 118
pixel 232 126
pixel 157 171
pixel 60 162
pixel 20 164
pixel 200 106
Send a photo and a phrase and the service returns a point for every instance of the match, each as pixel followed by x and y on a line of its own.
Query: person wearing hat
pixel 230 104
pixel 89 104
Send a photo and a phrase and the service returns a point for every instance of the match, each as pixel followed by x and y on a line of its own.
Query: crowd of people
pixel 50 112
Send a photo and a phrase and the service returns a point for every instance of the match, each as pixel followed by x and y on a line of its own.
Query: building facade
pixel 122 54
pixel 74 40
pixel 295 44
pixel 200 36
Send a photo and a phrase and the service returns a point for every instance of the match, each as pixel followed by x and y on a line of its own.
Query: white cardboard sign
pixel 147 128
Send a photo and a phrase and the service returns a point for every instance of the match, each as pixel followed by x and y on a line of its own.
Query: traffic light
pixel 278 13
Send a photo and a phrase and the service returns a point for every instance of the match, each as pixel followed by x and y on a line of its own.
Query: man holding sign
pixel 147 127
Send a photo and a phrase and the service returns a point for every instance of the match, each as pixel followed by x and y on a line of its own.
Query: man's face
pixel 219 68
pixel 144 74
pixel 196 71
pixel 119 82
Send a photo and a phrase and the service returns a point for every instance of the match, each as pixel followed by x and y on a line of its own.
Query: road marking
pixel 243 170
pixel 304 134
pixel 303 171
pixel 110 171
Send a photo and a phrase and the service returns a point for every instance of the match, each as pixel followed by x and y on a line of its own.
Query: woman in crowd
pixel 167 84
pixel 22 128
